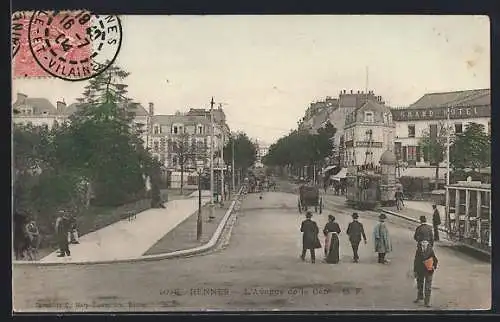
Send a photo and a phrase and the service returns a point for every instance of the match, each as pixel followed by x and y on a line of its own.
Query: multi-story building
pixel 429 114
pixel 336 110
pixel 368 132
pixel 262 149
pixel 184 139
pixel 40 111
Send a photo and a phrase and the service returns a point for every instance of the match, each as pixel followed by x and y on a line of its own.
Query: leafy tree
pixel 472 148
pixel 185 152
pixel 245 152
pixel 107 149
pixel 434 146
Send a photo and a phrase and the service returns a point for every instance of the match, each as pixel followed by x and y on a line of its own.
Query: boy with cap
pixel 424 265
pixel 355 231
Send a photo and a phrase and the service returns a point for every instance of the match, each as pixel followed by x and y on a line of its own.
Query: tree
pixel 434 146
pixel 472 148
pixel 245 152
pixel 106 147
pixel 301 148
pixel 185 152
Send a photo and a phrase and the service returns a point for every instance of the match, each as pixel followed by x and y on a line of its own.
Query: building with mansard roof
pixel 368 133
pixel 429 113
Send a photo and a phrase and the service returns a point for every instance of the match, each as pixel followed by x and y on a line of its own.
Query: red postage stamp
pixel 70 45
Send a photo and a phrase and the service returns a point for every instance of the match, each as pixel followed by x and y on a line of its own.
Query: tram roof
pixel 469 185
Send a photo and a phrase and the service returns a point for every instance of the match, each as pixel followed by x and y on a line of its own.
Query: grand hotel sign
pixel 438 113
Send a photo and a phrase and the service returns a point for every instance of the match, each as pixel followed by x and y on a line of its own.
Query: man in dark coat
pixel 424 265
pixel 355 231
pixel 62 228
pixel 436 221
pixel 423 232
pixel 310 239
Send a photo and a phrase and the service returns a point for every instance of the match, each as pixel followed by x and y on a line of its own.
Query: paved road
pixel 260 269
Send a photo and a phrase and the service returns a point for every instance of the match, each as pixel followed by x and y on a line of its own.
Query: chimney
pixel 358 92
pixel 151 109
pixel 21 97
pixel 344 91
pixel 60 105
pixel 351 91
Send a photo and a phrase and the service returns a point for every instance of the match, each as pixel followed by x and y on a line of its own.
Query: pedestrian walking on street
pixel 310 240
pixel 355 231
pixel 332 242
pixel 382 240
pixel 399 199
pixel 62 228
pixel 424 265
pixel 423 232
pixel 436 221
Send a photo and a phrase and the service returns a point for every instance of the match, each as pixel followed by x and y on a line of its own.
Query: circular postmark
pixel 75 45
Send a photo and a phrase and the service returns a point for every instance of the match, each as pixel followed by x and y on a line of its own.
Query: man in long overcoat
pixel 355 231
pixel 310 239
pixel 436 221
pixel 382 240
pixel 62 228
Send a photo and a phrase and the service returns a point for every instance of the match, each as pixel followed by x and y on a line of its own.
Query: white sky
pixel 269 68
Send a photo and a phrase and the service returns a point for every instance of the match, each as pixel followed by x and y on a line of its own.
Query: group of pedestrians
pixel 425 260
pixel 355 233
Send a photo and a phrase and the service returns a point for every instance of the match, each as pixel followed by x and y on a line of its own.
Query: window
pixel 458 128
pixel 200 129
pixel 411 131
pixel 175 129
pixel 412 153
pixel 174 161
pixel 155 146
pixel 156 129
pixel 369 117
pixel 397 149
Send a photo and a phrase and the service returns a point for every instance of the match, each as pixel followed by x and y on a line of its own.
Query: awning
pixel 422 173
pixel 341 175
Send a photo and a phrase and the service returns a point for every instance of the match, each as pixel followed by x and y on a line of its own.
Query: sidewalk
pixel 415 209
pixel 129 239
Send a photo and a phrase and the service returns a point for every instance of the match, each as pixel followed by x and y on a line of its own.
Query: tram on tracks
pixel 369 186
pixel 468 214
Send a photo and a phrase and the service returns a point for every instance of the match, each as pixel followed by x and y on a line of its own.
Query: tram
pixel 369 186
pixel 468 214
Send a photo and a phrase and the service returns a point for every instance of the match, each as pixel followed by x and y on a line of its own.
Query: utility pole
pixel 223 195
pixel 232 162
pixel 447 208
pixel 212 156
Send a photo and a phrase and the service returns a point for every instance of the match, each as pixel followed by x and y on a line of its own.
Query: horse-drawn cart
pixel 309 197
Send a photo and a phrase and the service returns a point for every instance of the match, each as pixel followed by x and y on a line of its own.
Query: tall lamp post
pixel 447 207
pixel 232 163
pixel 199 222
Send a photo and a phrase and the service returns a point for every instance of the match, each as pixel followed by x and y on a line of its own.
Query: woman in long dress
pixel 331 232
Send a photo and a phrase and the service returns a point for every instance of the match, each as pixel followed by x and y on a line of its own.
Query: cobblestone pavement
pixel 259 268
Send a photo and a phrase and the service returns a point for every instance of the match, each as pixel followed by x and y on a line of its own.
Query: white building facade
pixel 429 114
pixel 368 132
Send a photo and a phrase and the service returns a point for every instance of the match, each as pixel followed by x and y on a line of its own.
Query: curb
pixel 180 253
pixel 395 214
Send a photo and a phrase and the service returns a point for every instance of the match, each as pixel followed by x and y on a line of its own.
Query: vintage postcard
pixel 250 163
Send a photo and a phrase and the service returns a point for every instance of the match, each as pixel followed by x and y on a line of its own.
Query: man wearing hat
pixel 423 232
pixel 355 231
pixel 382 240
pixel 310 239
pixel 436 221
pixel 62 228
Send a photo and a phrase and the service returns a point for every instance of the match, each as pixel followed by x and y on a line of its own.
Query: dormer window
pixel 369 117
pixel 200 129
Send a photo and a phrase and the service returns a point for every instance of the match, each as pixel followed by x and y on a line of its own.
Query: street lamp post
pixel 447 207
pixel 199 222
pixel 212 130
pixel 232 163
